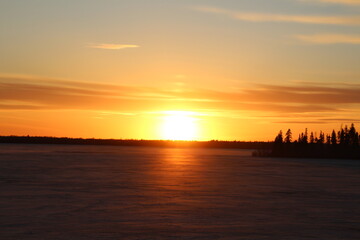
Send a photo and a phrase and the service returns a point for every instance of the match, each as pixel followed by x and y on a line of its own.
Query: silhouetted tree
pixel 288 136
pixel 341 136
pixel 346 136
pixel 312 140
pixel 321 139
pixel 353 137
pixel 303 138
pixel 333 138
pixel 279 138
pixel 278 144
pixel 328 139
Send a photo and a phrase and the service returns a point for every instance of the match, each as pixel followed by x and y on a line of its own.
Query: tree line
pixel 341 144
pixel 133 142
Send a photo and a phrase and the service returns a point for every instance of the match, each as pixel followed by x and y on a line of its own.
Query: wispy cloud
pixel 33 94
pixel 112 46
pixel 266 17
pixel 346 2
pixel 329 39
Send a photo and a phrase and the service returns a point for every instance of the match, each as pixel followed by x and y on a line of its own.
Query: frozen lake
pixel 107 192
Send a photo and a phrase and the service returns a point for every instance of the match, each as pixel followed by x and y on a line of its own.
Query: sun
pixel 179 125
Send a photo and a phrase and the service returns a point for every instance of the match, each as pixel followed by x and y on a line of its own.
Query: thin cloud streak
pixel 346 2
pixel 264 17
pixel 29 94
pixel 329 39
pixel 108 46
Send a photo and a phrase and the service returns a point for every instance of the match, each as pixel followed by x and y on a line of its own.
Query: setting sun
pixel 179 125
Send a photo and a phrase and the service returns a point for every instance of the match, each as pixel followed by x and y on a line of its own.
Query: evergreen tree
pixel 333 138
pixel 341 136
pixel 346 136
pixel 353 139
pixel 306 136
pixel 328 139
pixel 288 136
pixel 312 140
pixel 279 138
pixel 321 139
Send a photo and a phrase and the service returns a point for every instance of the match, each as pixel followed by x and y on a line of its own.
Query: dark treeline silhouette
pixel 341 144
pixel 133 142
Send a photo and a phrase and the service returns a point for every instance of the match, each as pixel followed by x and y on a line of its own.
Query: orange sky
pixel 230 70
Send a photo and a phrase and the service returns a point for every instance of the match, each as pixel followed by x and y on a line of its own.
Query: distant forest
pixel 135 142
pixel 341 144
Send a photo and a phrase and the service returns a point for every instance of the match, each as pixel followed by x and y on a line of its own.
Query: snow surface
pixel 107 192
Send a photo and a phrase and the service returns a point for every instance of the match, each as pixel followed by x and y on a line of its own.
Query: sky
pixel 132 69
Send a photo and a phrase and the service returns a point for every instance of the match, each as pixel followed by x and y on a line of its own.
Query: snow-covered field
pixel 105 192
